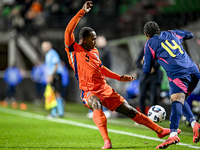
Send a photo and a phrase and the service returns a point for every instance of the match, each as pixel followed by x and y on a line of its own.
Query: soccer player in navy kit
pixel 182 72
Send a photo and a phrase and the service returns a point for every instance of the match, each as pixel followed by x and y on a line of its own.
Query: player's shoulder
pixel 165 33
pixel 153 41
pixel 77 47
pixel 95 50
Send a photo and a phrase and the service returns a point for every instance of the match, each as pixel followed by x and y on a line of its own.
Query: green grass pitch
pixel 30 130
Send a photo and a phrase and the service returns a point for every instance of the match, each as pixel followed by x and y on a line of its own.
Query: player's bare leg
pixel 100 120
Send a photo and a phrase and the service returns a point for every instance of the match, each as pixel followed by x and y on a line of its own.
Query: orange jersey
pixel 86 64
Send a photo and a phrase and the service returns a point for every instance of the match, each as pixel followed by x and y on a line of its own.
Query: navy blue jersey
pixel 167 50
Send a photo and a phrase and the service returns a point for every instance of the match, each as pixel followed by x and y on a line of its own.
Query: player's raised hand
pixel 87 6
pixel 126 78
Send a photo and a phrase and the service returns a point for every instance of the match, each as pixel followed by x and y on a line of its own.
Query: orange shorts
pixel 107 95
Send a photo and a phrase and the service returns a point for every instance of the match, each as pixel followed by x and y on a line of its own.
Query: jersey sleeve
pixel 149 58
pixel 108 73
pixel 69 35
pixel 182 35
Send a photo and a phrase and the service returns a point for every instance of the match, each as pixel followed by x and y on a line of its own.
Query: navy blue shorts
pixel 184 85
pixel 57 83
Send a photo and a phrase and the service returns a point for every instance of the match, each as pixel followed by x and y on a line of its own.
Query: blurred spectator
pixel 35 9
pixel 38 75
pixel 195 95
pixel 5 12
pixel 12 77
pixel 34 15
pixel 54 76
pixel 17 21
pixel 133 88
pixel 164 94
pixel 149 84
pixel 104 51
pixel 65 79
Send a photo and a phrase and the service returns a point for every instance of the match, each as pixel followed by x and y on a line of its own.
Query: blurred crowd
pixel 13 76
pixel 130 15
pixel 19 14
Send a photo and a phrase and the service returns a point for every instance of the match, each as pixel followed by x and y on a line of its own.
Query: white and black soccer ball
pixel 157 113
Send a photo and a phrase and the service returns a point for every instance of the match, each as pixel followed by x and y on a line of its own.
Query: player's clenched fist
pixel 87 6
pixel 126 78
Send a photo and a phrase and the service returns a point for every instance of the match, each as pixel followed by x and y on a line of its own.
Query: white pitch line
pixel 41 117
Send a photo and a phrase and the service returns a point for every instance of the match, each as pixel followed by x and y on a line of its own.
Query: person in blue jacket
pixel 12 77
pixel 65 79
pixel 165 47
pixel 38 76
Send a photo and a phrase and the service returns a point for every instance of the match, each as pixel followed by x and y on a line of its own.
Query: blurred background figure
pixel 38 76
pixel 149 84
pixel 54 76
pixel 133 88
pixel 194 100
pixel 104 51
pixel 65 79
pixel 105 57
pixel 12 77
pixel 164 87
pixel 16 19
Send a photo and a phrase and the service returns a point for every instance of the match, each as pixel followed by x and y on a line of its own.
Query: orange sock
pixel 143 119
pixel 100 120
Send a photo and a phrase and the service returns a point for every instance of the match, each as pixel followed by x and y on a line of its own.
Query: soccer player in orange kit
pixel 90 74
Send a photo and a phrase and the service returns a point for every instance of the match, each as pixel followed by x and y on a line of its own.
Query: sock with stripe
pixel 143 119
pixel 100 120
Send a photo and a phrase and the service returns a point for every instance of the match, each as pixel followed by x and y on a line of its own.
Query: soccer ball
pixel 157 113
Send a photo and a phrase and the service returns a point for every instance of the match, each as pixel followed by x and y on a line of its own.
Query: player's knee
pixel 180 97
pixel 95 103
pixel 127 110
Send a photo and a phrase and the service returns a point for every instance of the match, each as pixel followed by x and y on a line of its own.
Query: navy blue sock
pixel 187 112
pixel 176 113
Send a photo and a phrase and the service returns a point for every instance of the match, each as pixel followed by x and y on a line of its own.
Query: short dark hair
pixel 85 32
pixel 151 28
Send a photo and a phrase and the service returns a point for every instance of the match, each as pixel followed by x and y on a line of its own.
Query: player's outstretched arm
pixel 183 34
pixel 126 78
pixel 108 73
pixel 69 36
